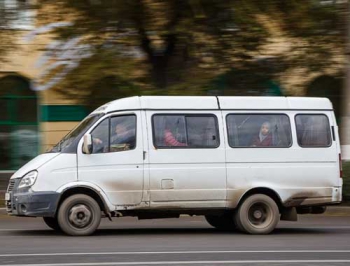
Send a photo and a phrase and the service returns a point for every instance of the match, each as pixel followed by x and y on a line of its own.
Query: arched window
pixel 18 122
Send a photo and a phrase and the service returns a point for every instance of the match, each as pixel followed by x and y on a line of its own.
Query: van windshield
pixel 69 143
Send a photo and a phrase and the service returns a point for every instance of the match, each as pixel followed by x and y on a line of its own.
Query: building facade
pixel 31 121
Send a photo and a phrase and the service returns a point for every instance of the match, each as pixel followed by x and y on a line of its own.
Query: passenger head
pixel 120 129
pixel 169 124
pixel 265 128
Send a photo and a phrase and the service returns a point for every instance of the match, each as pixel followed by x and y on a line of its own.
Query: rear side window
pixel 185 131
pixel 258 130
pixel 313 130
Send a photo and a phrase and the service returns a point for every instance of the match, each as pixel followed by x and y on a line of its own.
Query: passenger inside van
pixel 264 138
pixel 123 138
pixel 169 138
pixel 122 135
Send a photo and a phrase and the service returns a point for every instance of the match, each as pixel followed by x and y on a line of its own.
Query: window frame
pixel 109 131
pixel 186 115
pixel 329 128
pixel 259 147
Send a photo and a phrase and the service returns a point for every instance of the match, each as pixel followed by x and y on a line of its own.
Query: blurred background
pixel 59 60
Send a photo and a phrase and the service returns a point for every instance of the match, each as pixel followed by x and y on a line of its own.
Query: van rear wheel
pixel 52 223
pixel 79 215
pixel 221 222
pixel 258 214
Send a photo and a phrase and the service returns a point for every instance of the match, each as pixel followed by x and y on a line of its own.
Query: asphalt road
pixel 313 240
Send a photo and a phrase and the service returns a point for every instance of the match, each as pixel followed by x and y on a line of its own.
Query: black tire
pixel 237 222
pixel 79 215
pixel 52 223
pixel 257 215
pixel 221 222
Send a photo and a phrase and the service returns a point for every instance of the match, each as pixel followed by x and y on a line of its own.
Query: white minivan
pixel 243 162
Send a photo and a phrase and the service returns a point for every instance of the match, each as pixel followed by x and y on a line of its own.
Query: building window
pixel 19 14
pixel 259 130
pixel 19 136
pixel 313 130
pixel 185 131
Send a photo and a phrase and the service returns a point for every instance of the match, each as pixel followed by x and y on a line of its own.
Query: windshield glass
pixel 70 142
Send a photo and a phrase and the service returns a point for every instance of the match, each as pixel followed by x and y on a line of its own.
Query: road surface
pixel 313 240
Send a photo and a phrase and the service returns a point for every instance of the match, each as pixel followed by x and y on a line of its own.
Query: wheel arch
pixel 86 190
pixel 265 191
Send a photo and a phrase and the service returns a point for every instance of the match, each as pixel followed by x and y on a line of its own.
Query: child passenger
pixel 264 138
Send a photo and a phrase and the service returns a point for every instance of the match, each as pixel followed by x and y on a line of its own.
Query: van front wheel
pixel 79 215
pixel 221 222
pixel 52 223
pixel 258 214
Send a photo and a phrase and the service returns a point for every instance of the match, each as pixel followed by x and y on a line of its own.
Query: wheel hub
pixel 257 214
pixel 80 215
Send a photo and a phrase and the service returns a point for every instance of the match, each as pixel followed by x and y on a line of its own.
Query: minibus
pixel 244 163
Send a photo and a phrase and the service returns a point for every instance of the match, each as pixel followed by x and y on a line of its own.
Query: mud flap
pixel 289 214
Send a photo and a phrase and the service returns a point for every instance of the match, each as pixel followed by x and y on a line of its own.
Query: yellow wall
pixel 53 132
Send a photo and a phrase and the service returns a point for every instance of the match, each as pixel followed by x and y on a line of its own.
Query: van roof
pixel 216 103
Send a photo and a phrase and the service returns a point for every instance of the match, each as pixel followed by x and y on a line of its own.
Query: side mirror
pixel 87 144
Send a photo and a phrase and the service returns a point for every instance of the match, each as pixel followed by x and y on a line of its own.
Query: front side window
pixel 185 131
pixel 313 130
pixel 115 134
pixel 258 130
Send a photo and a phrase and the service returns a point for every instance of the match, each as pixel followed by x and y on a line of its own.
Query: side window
pixel 169 131
pixel 115 134
pixel 100 137
pixel 186 131
pixel 123 133
pixel 259 130
pixel 313 130
pixel 202 132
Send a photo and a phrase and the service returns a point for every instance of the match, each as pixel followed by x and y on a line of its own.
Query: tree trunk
pixel 159 60
pixel 160 71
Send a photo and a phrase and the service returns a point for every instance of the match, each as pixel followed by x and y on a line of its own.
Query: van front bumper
pixel 34 204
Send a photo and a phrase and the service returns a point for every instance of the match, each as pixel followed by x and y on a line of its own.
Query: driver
pixel 122 138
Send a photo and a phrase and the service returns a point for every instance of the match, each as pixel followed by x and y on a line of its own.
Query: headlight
pixel 28 180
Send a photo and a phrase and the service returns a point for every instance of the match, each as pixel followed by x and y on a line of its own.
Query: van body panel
pixel 146 172
pixel 56 173
pixel 197 176
pixel 34 164
pixel 293 172
pixel 313 103
pixel 119 174
pixel 89 185
pixel 274 103
pixel 130 103
pixel 179 102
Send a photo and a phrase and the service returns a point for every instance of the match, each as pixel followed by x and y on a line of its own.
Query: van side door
pixel 116 162
pixel 186 159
